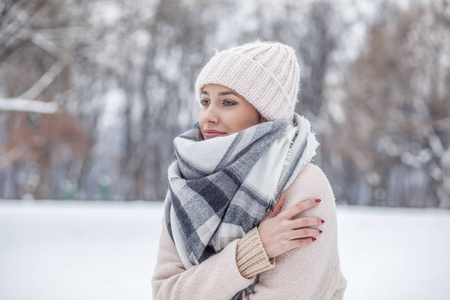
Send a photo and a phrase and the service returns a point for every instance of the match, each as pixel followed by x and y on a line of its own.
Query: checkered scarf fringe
pixel 221 188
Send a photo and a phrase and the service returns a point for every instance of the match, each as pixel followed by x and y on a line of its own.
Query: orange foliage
pixel 59 137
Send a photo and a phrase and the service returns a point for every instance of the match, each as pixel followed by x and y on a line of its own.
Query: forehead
pixel 217 89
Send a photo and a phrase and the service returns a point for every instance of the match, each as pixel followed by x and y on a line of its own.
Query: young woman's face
pixel 224 112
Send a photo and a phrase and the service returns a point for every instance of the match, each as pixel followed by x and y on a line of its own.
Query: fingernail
pixel 323 221
pixel 317 200
pixel 320 231
pixel 313 239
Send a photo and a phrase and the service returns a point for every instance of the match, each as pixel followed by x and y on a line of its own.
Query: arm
pixel 236 265
pixel 217 276
pixel 311 272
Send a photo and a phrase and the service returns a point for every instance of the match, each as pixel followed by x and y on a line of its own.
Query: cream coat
pixel 309 272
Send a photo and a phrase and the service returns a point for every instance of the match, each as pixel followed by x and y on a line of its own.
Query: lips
pixel 211 133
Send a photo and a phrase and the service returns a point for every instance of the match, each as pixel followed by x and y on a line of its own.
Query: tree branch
pixel 45 81
pixel 25 105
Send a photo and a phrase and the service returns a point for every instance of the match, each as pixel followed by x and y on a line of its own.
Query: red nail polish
pixel 320 231
pixel 323 221
pixel 317 200
pixel 313 239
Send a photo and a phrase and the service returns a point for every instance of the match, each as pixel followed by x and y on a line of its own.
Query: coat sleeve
pixel 216 278
pixel 313 271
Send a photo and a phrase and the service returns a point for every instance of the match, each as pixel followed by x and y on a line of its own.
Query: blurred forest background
pixel 92 92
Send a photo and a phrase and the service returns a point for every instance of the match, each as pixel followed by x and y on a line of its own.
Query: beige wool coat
pixel 308 272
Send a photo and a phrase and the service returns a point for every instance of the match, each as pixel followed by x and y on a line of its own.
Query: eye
pixel 204 102
pixel 228 103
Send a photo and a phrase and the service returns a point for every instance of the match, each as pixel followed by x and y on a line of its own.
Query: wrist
pixel 251 257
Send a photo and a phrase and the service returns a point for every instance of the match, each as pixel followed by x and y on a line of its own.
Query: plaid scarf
pixel 221 188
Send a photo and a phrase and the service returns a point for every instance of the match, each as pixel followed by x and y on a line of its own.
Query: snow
pixel 25 105
pixel 395 253
pixel 107 250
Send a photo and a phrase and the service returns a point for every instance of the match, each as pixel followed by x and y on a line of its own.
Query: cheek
pixel 246 119
pixel 200 117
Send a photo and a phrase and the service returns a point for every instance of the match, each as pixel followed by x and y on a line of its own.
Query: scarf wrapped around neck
pixel 221 188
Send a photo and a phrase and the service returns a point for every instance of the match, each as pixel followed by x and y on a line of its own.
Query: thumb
pixel 277 207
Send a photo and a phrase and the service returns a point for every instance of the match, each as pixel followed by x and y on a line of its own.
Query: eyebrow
pixel 222 93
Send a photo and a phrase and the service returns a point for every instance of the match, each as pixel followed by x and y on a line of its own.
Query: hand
pixel 280 233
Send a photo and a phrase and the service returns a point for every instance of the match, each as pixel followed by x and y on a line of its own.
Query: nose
pixel 210 114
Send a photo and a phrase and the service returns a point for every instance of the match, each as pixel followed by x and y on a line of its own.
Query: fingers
pixel 304 233
pixel 299 243
pixel 278 205
pixel 281 232
pixel 304 222
pixel 299 208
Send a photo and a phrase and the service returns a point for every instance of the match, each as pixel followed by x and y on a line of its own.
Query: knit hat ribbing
pixel 266 74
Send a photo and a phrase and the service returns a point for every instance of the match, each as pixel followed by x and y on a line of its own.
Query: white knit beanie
pixel 266 74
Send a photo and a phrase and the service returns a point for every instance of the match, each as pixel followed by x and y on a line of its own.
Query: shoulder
pixel 311 183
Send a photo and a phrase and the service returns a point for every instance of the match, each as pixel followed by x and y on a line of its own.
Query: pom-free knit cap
pixel 266 74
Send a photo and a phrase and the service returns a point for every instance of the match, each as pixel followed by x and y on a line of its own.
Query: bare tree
pixel 396 135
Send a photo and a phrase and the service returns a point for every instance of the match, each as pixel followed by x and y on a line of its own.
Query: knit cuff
pixel 251 257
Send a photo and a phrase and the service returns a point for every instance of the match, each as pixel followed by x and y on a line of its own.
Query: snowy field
pixel 99 250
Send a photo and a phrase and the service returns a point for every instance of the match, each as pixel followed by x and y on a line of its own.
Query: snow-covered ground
pixel 99 250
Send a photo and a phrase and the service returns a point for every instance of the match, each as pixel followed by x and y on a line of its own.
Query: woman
pixel 225 234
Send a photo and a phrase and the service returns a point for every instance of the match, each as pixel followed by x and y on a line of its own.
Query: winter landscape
pixel 92 93
pixel 95 250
